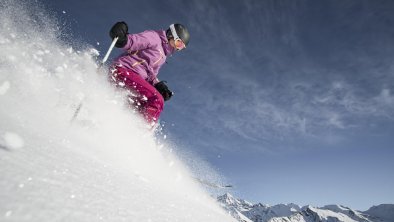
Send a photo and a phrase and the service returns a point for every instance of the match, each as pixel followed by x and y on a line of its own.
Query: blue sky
pixel 292 101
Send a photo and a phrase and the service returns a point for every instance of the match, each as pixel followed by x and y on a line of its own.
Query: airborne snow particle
pixel 13 140
pixel 12 58
pixel 94 52
pixel 64 12
pixel 59 69
pixel 39 52
pixel 8 213
pixel 4 87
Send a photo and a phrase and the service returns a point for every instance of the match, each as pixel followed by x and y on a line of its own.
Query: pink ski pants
pixel 143 96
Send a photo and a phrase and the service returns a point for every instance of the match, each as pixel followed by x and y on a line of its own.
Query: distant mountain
pixel 383 211
pixel 245 211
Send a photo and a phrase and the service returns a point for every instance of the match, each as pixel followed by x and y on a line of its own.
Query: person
pixel 137 68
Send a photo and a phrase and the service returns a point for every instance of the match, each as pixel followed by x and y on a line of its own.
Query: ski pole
pixel 109 51
pixel 76 112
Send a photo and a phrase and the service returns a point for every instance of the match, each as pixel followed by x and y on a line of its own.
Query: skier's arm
pixel 153 80
pixel 133 42
pixel 141 41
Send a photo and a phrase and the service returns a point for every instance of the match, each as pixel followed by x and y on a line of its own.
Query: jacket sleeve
pixel 153 80
pixel 141 41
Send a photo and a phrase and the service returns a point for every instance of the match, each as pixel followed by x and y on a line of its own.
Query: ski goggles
pixel 179 44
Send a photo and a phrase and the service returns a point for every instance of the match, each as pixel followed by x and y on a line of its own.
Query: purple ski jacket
pixel 145 53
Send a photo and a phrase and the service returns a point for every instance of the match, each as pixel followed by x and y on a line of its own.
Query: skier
pixel 137 68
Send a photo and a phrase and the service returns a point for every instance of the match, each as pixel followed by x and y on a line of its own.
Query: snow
pixel 4 87
pixel 243 217
pixel 12 140
pixel 105 165
pixel 328 214
pixel 93 51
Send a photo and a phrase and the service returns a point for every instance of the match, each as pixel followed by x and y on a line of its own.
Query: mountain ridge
pixel 245 211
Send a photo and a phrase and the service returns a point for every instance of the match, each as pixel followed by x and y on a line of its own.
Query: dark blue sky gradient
pixel 292 101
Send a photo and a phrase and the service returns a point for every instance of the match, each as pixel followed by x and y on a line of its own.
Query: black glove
pixel 163 90
pixel 119 30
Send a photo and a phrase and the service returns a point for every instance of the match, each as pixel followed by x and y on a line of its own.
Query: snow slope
pixel 103 166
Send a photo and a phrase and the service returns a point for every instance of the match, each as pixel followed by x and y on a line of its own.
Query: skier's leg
pixel 150 102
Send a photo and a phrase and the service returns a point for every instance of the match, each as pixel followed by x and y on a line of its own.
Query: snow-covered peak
pixel 264 212
pixel 337 208
pixel 229 200
pixel 326 215
pixel 285 209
